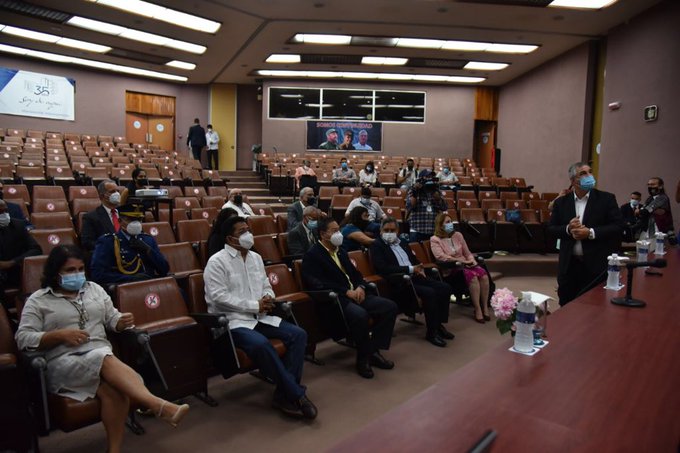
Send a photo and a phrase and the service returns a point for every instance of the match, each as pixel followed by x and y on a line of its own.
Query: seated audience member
pixel 15 244
pixel 331 142
pixel 129 255
pixel 305 176
pixel 368 176
pixel 103 219
pixel 215 239
pixel 326 266
pixel 375 212
pixel 450 247
pixel 68 319
pixel 14 210
pixel 236 203
pixel 294 211
pixel 303 236
pixel 630 218
pixel 407 176
pixel 353 230
pixel 446 177
pixel 343 175
pixel 347 143
pixel 236 284
pixel 423 203
pixel 362 144
pixel 139 181
pixel 391 257
pixel 655 212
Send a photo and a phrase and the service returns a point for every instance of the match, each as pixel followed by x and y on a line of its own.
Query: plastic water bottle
pixel 660 239
pixel 524 324
pixel 614 272
pixel 642 249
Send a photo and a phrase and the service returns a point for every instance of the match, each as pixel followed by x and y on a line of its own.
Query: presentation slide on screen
pixel 40 95
pixel 344 135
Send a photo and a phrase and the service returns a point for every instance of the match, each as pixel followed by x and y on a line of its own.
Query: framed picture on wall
pixel 325 135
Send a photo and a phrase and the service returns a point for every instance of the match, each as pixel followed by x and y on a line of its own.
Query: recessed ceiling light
pixel 44 37
pixel 161 13
pixel 369 75
pixel 582 4
pixel 340 40
pixel 387 61
pixel 485 66
pixel 136 35
pixel 420 43
pixel 30 34
pixel 90 63
pixel 469 46
pixel 283 58
pixel 511 48
pixel 181 65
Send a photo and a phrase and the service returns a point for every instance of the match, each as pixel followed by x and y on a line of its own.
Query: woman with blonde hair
pixel 449 246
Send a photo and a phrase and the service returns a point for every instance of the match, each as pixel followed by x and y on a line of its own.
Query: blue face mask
pixel 587 182
pixel 312 224
pixel 72 282
pixel 446 171
pixel 449 227
pixel 344 165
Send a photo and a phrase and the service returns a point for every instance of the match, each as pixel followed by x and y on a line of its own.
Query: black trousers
pixel 384 314
pixel 435 297
pixel 196 151
pixel 212 157
pixel 577 280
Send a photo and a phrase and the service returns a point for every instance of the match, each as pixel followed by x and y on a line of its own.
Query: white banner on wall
pixel 40 95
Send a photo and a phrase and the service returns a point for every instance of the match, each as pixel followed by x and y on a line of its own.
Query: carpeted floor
pixel 244 421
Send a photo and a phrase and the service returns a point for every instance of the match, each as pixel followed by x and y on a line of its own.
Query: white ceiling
pixel 253 29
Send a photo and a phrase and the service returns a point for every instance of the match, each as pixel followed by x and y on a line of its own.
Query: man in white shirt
pixel 406 177
pixel 213 140
pixel 236 285
pixel 237 204
pixel 362 144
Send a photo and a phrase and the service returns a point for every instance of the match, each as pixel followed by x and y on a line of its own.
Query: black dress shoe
pixel 445 334
pixel 364 369
pixel 289 408
pixel 378 361
pixel 307 408
pixel 436 340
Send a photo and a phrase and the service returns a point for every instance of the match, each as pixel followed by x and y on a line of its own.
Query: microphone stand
pixel 628 300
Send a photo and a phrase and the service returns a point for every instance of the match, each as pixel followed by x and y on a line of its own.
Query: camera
pixel 426 184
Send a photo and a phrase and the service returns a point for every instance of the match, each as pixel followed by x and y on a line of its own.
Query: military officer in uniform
pixel 129 255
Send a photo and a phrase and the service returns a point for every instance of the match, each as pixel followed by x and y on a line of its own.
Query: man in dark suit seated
pixel 15 244
pixel 128 255
pixel 327 267
pixel 588 224
pixel 294 211
pixel 303 237
pixel 393 259
pixel 104 219
pixel 15 211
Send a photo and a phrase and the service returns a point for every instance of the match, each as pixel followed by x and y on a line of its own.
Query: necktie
pixel 114 220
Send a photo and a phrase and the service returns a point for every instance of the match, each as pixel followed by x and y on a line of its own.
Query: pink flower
pixel 503 303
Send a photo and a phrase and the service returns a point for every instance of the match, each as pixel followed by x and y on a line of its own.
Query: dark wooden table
pixel 609 381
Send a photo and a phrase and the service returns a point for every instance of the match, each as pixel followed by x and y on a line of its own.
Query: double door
pixel 150 129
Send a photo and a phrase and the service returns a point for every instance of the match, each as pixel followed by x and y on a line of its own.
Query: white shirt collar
pixel 585 197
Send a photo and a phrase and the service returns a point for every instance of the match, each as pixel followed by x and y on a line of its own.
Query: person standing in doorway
pixel 196 139
pixel 213 140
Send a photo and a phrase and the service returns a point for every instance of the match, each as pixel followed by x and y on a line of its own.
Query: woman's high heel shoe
pixel 176 417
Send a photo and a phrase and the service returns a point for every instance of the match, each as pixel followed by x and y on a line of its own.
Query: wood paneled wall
pixel 149 104
pixel 486 103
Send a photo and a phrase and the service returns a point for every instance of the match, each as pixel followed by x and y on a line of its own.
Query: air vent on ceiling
pixel 537 3
pixel 38 12
pixel 436 63
pixel 330 59
pixel 138 56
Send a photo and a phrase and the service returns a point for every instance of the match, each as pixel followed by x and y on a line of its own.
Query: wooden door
pixel 162 132
pixel 484 143
pixel 136 127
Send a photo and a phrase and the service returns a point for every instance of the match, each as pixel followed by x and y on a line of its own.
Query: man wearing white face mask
pixel 103 219
pixel 326 266
pixel 236 284
pixel 631 215
pixel 128 255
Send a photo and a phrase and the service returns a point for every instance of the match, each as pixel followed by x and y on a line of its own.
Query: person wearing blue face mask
pixel 68 319
pixel 343 175
pixel 304 235
pixel 446 177
pixel 589 225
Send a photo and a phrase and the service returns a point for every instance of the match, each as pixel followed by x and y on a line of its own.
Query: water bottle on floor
pixel 524 324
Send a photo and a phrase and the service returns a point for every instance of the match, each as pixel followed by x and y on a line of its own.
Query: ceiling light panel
pixel 582 4
pixel 283 58
pixel 338 40
pixel 369 76
pixel 163 14
pixel 485 66
pixel 386 61
pixel 181 65
pixel 53 39
pixel 136 35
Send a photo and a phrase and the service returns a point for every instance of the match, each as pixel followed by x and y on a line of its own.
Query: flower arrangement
pixel 504 305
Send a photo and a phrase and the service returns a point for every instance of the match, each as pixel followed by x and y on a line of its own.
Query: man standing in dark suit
pixel 392 260
pixel 327 267
pixel 104 219
pixel 588 224
pixel 196 139
pixel 303 237
pixel 294 214
pixel 630 219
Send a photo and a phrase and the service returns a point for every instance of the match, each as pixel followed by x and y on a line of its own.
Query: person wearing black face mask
pixel 368 176
pixel 656 210
pixel 236 203
pixel 139 181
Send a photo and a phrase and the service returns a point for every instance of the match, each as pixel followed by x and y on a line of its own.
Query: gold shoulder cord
pixel 122 264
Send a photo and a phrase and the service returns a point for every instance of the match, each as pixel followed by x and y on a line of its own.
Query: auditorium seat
pixel 51 220
pixel 262 224
pixel 14 191
pixel 355 192
pixel 218 191
pixel 48 205
pixel 213 201
pixel 48 239
pixel 475 229
pixel 84 205
pixel 186 203
pixel 160 231
pixel 173 191
pixel 528 196
pixel 468 203
pixel 282 222
pixel 339 204
pixel 362 261
pixel 394 202
pixel 514 204
pixel 177 215
pixel 82 192
pixel 397 192
pixel 182 259
pixel 193 231
pixel 195 191
pixel 266 247
pixel 326 194
pixel 503 232
pixel 531 236
pixel 204 213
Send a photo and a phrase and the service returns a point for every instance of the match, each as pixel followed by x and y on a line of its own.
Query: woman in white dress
pixel 67 319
